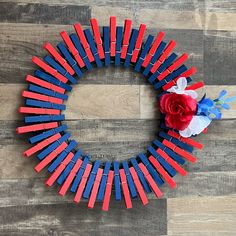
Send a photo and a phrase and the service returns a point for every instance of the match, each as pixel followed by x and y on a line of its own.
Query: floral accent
pixel 184 113
pixel 180 87
pixel 179 110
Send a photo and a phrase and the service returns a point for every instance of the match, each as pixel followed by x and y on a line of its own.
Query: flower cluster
pixel 183 112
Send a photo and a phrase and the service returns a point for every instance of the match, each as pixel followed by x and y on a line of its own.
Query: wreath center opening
pixel 112 113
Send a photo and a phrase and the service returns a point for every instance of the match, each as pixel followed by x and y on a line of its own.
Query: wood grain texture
pixel 105 101
pixel 198 18
pixel 112 112
pixel 208 160
pixel 109 101
pixel 62 219
pixel 32 190
pixel 219 57
pixel 199 216
pixel 108 130
pixel 43 13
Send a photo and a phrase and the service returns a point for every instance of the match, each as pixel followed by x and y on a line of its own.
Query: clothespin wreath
pixel 182 115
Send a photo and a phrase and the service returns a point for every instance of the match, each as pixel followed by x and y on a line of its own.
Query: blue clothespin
pixel 79 174
pixel 106 43
pixel 91 179
pixel 132 42
pixel 130 181
pixel 70 59
pixel 93 47
pixel 103 182
pixel 150 168
pixel 169 60
pixel 140 175
pixel 53 146
pixel 162 161
pixel 72 144
pixel 172 154
pixel 59 68
pixel 170 77
pixel 74 38
pixel 119 37
pixel 162 67
pixel 176 141
pixel 160 94
pixel 144 52
pixel 44 76
pixel 37 103
pixel 117 180
pixel 163 126
pixel 154 58
pixel 43 118
pixel 47 134
pixel 48 92
pixel 69 167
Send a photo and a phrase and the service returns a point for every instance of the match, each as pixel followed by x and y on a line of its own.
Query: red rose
pixel 179 110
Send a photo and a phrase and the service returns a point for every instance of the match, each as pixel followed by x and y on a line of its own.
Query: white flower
pixel 196 126
pixel 180 87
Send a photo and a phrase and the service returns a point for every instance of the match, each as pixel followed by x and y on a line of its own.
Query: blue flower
pixel 212 108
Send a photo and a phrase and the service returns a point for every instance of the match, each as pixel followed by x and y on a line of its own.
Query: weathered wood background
pixel 112 114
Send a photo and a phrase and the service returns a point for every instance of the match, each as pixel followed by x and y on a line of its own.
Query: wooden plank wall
pixel 112 113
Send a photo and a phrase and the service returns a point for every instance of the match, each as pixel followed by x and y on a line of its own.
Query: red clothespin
pixel 185 140
pixel 94 191
pixel 125 188
pixel 138 43
pixel 97 37
pixel 107 195
pixel 50 157
pixel 58 57
pixel 175 65
pixel 162 171
pixel 153 49
pixel 41 145
pixel 49 69
pixel 177 167
pixel 185 74
pixel 83 41
pixel 70 177
pixel 125 43
pixel 41 97
pixel 150 180
pixel 163 56
pixel 139 186
pixel 113 36
pixel 33 110
pixel 195 86
pixel 42 83
pixel 72 48
pixel 59 170
pixel 37 127
pixel 179 151
pixel 82 183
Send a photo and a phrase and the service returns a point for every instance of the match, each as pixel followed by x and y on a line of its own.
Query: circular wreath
pixel 182 115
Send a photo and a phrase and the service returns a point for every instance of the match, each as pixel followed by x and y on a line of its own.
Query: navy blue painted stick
pixel 103 182
pixel 67 170
pixel 70 59
pixel 150 168
pixel 53 146
pixel 91 179
pixel 144 52
pixel 72 144
pixel 79 174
